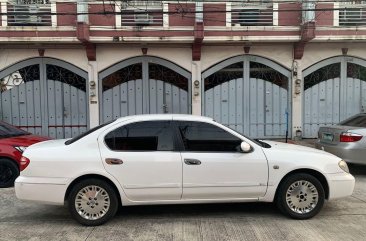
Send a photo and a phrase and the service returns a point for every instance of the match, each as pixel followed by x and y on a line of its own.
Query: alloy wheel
pixel 92 202
pixel 302 197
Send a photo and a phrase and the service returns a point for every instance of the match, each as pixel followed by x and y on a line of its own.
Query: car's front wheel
pixel 92 202
pixel 9 171
pixel 300 196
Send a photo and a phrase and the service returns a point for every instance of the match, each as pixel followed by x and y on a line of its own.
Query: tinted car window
pixel 204 137
pixel 142 136
pixel 357 121
pixel 7 130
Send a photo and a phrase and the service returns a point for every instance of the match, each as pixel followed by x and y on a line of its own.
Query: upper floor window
pixel 29 13
pixel 142 13
pixel 352 13
pixel 252 14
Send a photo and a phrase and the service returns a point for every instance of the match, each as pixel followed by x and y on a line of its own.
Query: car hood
pixel 292 147
pixel 295 156
pixel 25 140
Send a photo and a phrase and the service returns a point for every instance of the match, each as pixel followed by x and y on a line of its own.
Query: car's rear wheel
pixel 9 171
pixel 92 202
pixel 300 196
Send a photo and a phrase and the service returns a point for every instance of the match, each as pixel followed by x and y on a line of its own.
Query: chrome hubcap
pixel 302 197
pixel 92 202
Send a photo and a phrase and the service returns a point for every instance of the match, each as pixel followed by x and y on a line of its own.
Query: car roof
pixel 166 117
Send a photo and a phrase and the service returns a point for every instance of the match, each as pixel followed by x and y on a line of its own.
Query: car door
pixel 142 157
pixel 214 166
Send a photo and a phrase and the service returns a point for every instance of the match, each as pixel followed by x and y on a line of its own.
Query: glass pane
pixel 58 73
pixel 203 137
pixel 358 121
pixel 159 72
pixel 10 131
pixel 264 72
pixel 131 72
pixel 142 136
pixel 26 74
pixel 331 71
pixel 356 71
pixel 231 72
pixel 76 138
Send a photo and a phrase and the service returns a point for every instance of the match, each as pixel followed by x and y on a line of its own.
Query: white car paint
pixel 163 178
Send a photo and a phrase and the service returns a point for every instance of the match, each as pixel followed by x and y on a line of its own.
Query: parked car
pixel 177 159
pixel 346 140
pixel 13 141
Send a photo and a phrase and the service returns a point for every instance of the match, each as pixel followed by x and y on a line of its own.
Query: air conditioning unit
pixel 143 19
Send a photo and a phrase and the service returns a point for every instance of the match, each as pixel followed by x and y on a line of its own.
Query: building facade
pixel 264 69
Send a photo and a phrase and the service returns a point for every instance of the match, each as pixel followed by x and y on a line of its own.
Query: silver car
pixel 346 140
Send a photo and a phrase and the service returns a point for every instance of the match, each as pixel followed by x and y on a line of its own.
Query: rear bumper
pixel 347 152
pixel 340 185
pixel 43 190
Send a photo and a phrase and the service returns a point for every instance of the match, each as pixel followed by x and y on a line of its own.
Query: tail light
pixel 350 137
pixel 24 162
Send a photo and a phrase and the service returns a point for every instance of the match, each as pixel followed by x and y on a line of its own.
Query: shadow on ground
pixel 359 170
pixel 199 210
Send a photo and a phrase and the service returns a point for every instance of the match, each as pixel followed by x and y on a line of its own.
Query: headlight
pixel 20 148
pixel 343 165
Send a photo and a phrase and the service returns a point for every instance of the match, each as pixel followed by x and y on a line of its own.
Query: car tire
pixel 9 171
pixel 92 202
pixel 300 196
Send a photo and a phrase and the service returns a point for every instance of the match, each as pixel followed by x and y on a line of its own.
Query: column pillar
pixel 4 10
pixel 93 94
pixel 196 88
pixel 297 98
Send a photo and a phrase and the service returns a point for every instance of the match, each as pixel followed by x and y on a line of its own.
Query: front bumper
pixel 346 151
pixel 43 190
pixel 340 185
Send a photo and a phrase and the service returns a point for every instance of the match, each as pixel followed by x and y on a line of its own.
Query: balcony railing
pixel 246 14
pixel 352 13
pixel 29 13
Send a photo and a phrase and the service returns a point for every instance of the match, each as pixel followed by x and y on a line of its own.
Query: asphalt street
pixel 343 219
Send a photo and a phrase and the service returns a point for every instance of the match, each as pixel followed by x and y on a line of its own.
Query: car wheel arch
pixel 95 176
pixel 318 175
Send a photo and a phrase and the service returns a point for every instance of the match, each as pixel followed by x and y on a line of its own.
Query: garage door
pixel 144 85
pixel 45 97
pixel 249 94
pixel 334 90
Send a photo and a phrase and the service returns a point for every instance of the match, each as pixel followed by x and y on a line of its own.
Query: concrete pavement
pixel 343 220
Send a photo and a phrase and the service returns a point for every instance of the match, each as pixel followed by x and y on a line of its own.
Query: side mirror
pixel 245 147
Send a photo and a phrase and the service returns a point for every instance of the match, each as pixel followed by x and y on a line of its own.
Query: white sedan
pixel 177 159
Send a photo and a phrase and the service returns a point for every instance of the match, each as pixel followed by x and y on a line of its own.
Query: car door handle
pixel 113 161
pixel 192 162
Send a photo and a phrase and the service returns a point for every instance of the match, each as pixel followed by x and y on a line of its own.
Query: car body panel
pixel 351 152
pixel 87 157
pixel 7 144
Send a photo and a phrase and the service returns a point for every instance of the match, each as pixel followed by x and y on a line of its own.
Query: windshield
pixel 76 138
pixel 7 131
pixel 357 121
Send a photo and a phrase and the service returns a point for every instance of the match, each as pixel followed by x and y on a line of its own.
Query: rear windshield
pixel 357 121
pixel 7 131
pixel 76 138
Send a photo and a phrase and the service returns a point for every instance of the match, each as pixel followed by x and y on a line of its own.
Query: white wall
pixel 108 55
pixel 75 56
pixel 280 53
